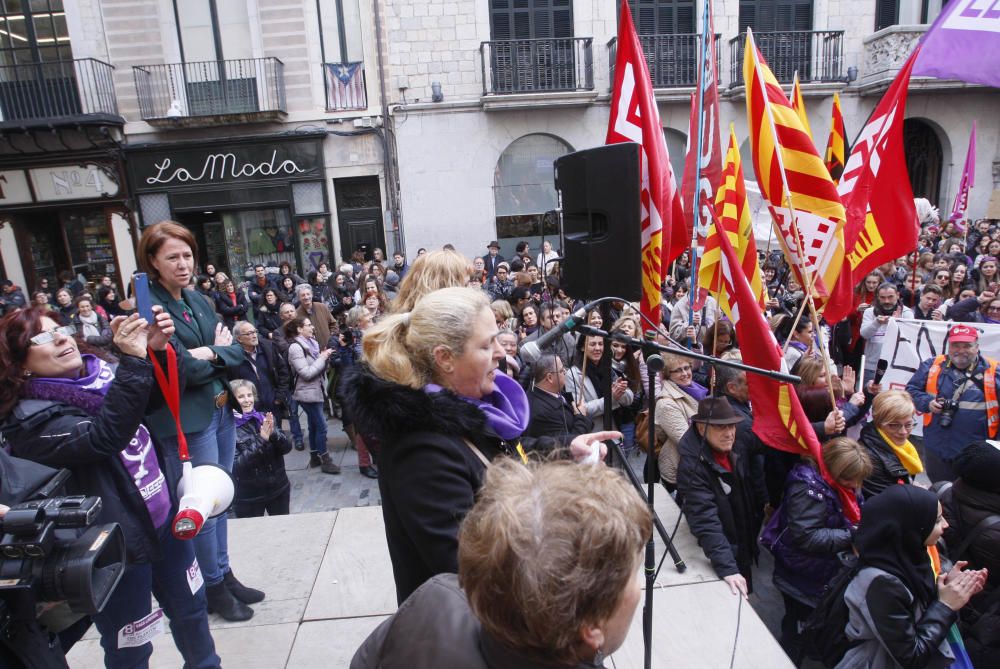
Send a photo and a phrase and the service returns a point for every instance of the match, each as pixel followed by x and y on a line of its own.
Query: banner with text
pixel 907 343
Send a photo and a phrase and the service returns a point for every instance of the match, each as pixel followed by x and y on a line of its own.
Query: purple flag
pixel 963 44
pixel 968 179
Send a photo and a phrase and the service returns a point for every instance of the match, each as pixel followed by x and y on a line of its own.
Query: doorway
pixel 42 245
pixel 359 214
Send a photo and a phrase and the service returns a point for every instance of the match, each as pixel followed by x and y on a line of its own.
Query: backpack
pixel 824 632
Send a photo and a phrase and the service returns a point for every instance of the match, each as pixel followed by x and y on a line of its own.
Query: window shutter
pixel 886 13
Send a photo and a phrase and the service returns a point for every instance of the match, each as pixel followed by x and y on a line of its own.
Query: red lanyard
pixel 171 388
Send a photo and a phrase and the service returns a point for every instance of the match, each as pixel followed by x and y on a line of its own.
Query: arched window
pixel 677 149
pixel 924 157
pixel 523 186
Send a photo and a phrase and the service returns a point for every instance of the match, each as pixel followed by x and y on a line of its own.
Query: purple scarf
pixel 310 345
pixel 506 408
pixel 243 418
pixel 87 392
pixel 695 390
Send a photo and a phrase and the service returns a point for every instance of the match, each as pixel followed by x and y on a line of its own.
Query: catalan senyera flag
pixel 778 417
pixel 806 210
pixel 732 216
pixel 799 104
pixel 875 187
pixel 635 118
pixel 836 145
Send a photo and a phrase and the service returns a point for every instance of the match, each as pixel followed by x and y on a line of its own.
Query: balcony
pixel 525 66
pixel 69 92
pixel 178 95
pixel 672 59
pixel 817 55
pixel 345 86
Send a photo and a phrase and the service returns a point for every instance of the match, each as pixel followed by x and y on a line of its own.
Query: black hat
pixel 979 465
pixel 493 245
pixel 716 411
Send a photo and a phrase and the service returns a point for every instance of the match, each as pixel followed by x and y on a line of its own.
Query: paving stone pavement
pixel 314 491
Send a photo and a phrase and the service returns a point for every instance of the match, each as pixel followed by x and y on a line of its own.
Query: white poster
pixel 907 343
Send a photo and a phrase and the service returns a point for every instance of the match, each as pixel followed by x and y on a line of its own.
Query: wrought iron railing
pixel 672 59
pixel 210 88
pixel 537 65
pixel 345 86
pixel 56 90
pixel 817 55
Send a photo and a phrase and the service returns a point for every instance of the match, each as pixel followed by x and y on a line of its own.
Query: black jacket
pixel 552 416
pixel 428 475
pixel 720 506
pixel 274 390
pixel 887 470
pixel 62 435
pixel 267 322
pixel 231 312
pixel 259 465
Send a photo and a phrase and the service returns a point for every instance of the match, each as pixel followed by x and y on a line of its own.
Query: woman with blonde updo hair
pixel 429 272
pixel 429 392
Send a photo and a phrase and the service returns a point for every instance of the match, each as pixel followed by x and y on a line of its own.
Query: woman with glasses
pixel 887 439
pixel 675 405
pixel 64 409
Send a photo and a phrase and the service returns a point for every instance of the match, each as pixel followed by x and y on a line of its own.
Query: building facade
pixel 524 81
pixel 300 130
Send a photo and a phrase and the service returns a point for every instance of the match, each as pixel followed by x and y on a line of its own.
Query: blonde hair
pixel 547 548
pixel 400 347
pixel 846 459
pixel 429 272
pixel 809 369
pixel 892 404
pixel 669 360
pixel 501 309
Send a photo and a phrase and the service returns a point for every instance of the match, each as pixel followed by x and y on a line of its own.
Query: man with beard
pixel 957 394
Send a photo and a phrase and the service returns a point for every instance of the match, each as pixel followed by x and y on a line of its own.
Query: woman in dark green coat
pixel 167 253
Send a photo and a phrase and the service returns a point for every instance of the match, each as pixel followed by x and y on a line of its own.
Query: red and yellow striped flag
pixel 799 104
pixel 836 146
pixel 732 215
pixel 806 210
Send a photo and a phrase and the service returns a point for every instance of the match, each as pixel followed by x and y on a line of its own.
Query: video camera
pixel 51 551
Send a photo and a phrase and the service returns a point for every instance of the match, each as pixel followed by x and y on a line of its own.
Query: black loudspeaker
pixel 602 233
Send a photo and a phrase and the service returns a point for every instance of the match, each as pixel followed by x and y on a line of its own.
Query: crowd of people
pixel 426 366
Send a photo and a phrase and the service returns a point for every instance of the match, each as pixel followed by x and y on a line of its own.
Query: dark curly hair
pixel 16 329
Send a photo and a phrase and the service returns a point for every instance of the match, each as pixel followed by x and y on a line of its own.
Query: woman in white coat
pixel 675 405
pixel 588 387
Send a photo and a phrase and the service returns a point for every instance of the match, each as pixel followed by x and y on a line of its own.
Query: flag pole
pixel 807 272
pixel 695 211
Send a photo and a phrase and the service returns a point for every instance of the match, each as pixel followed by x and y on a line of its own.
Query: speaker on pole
pixel 602 237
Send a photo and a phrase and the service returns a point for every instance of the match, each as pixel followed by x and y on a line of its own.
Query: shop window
pixel 258 237
pixel 89 239
pixel 314 240
pixel 308 197
pixel 524 187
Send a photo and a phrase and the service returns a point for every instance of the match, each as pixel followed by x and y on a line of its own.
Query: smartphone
pixel 140 293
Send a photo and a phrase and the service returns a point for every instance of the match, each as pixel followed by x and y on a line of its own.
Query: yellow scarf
pixel 907 454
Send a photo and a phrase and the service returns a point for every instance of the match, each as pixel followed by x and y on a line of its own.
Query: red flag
pixel 711 145
pixel 635 118
pixel 836 149
pixel 875 188
pixel 778 418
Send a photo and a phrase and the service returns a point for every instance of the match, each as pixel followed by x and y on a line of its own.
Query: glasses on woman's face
pixel 49 336
pixel 683 369
pixel 899 427
pixel 993 308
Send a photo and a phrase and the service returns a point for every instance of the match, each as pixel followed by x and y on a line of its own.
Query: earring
pixel 26 374
pixel 599 658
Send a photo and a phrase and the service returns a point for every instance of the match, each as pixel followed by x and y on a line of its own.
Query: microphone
pixel 532 350
pixel 880 371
